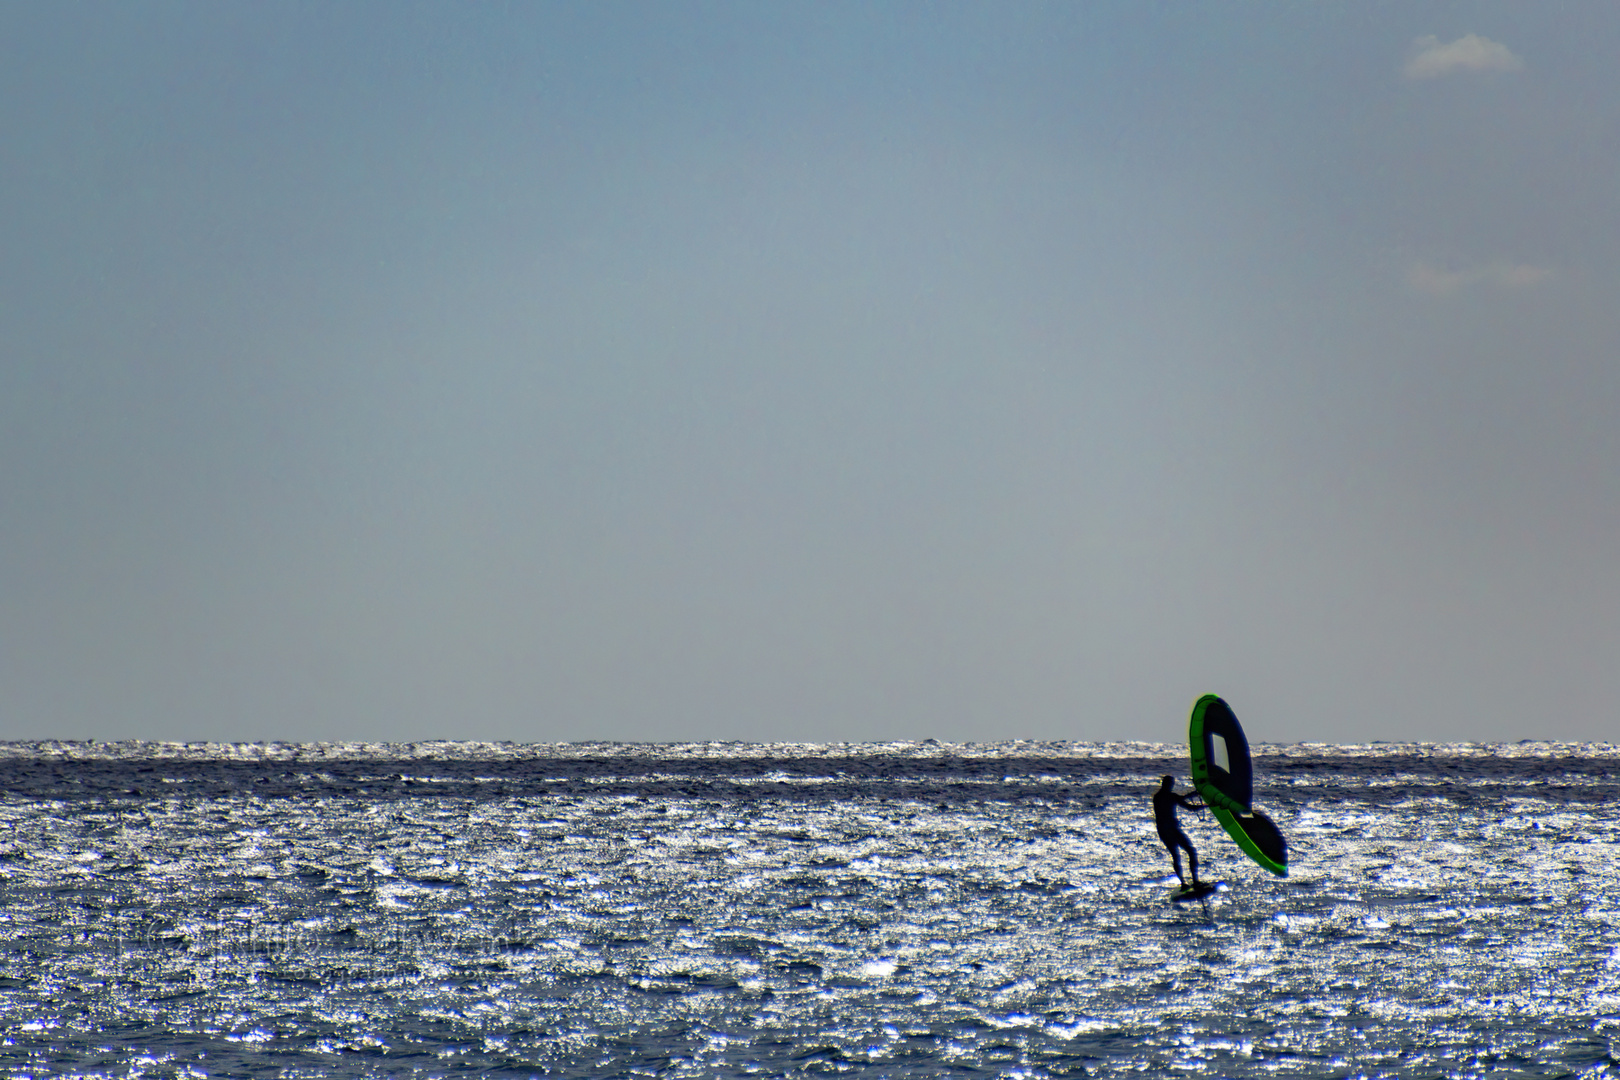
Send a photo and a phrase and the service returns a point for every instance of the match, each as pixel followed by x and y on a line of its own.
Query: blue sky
pixel 833 371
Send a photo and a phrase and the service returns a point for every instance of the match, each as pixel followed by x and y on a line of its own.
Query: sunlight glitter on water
pixel 1000 910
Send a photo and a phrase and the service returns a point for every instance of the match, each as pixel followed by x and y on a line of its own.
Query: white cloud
pixel 1432 58
pixel 1440 281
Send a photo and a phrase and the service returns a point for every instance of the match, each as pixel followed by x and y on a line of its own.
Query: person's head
pixel 1167 783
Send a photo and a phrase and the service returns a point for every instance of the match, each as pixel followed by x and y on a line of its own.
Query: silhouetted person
pixel 1165 801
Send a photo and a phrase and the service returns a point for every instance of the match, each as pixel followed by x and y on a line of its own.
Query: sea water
pixel 726 909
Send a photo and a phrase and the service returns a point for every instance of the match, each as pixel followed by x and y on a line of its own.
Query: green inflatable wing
pixel 1224 776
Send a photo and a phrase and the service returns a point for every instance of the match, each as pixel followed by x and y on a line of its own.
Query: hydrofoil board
pixel 1195 892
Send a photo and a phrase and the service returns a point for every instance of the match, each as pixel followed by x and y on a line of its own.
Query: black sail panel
pixel 1265 836
pixel 1226 752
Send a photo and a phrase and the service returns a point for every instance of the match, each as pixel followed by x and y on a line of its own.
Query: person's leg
pixel 1175 860
pixel 1192 857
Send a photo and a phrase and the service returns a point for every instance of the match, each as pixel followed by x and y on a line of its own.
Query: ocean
pixel 864 910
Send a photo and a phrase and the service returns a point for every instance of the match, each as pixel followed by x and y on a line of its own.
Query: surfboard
pixel 1195 892
pixel 1223 773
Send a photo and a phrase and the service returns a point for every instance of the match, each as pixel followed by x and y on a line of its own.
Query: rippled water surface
pixel 897 910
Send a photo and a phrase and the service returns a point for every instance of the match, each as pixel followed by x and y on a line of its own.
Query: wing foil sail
pixel 1224 776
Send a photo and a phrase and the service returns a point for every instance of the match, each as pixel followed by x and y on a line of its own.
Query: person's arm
pixel 1187 801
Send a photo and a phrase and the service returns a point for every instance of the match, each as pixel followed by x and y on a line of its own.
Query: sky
pixel 834 371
